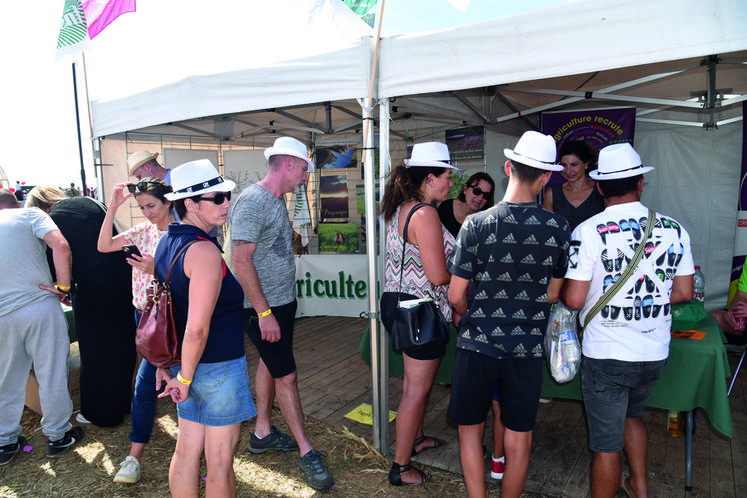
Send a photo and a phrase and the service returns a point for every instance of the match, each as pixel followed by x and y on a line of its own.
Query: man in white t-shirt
pixel 625 345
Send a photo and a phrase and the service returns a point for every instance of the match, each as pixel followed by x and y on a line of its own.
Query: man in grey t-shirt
pixel 263 260
pixel 33 327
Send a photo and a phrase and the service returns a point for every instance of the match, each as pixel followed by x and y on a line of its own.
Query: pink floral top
pixel 145 236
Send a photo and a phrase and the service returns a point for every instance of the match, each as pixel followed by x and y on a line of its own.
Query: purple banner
pixel 598 128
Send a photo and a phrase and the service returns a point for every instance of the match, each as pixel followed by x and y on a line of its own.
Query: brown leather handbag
pixel 157 340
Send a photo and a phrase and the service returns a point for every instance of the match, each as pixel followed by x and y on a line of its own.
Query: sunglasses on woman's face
pixel 219 198
pixel 477 192
pixel 140 186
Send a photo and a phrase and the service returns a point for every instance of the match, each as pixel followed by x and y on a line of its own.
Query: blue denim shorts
pixel 219 394
pixel 614 390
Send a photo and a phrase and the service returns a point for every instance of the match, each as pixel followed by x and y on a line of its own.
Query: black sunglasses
pixel 141 186
pixel 219 198
pixel 477 191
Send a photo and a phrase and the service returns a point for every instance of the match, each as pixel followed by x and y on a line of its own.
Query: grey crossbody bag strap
pixel 629 269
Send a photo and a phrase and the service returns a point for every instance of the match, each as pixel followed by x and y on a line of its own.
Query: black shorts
pixel 478 377
pixel 277 356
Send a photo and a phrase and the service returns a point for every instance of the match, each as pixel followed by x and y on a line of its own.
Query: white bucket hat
pixel 536 150
pixel 139 158
pixel 195 178
pixel 619 161
pixel 289 146
pixel 433 154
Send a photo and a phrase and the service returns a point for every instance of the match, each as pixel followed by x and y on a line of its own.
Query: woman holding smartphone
pixel 139 243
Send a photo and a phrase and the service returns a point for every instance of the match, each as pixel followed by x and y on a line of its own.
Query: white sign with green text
pixel 331 285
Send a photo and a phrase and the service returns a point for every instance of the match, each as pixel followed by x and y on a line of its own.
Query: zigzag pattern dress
pixel 414 280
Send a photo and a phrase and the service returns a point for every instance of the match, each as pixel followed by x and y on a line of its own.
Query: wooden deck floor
pixel 334 379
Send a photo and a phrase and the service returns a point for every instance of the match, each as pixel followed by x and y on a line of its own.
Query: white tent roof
pixel 572 38
pixel 188 59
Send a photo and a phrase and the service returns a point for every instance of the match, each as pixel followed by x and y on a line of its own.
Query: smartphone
pixel 131 249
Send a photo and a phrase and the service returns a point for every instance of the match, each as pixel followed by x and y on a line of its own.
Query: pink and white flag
pixel 101 13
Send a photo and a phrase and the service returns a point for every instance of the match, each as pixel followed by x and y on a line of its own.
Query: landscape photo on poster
pixel 339 237
pixel 333 194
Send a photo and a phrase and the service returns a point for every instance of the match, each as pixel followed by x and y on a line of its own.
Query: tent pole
pixel 379 343
pixel 80 143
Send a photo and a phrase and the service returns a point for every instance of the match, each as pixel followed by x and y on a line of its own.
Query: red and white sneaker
pixel 497 467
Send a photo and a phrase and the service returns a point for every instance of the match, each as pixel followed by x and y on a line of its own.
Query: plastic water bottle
pixel 699 285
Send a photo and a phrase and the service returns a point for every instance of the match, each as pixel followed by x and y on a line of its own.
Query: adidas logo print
pixel 528 260
pixel 551 242
pixel 479 313
pixel 517 331
pixel 501 295
pixel 481 338
pixel 481 295
pixel 471 249
pixel 552 223
pixel 466 266
pixel 541 299
pixel 504 277
pixel 532 220
pixel 522 296
pixel 491 239
pixel 519 315
pixel 482 276
pixel 497 332
pixel 539 316
pixel 498 313
pixel 490 259
pixel 543 280
pixel 531 241
pixel 510 219
pixel 509 239
pixel 507 258
pixel 548 261
pixel 537 350
pixel 525 278
pixel 536 331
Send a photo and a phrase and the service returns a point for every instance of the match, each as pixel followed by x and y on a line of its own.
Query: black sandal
pixel 421 440
pixel 395 475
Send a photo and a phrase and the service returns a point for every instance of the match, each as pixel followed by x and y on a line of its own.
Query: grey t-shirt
pixel 258 216
pixel 22 233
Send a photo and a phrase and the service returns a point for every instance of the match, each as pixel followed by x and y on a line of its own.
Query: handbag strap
pixel 176 258
pixel 629 270
pixel 404 243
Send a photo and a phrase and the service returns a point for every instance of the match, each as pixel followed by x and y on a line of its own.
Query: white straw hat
pixel 619 161
pixel 195 178
pixel 139 158
pixel 289 146
pixel 433 154
pixel 536 150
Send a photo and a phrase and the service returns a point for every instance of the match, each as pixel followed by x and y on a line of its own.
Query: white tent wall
pixel 696 181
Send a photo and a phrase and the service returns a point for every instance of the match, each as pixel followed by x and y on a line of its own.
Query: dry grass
pixel 89 469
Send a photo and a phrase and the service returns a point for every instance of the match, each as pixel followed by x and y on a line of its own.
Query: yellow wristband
pixel 182 379
pixel 63 288
pixel 265 313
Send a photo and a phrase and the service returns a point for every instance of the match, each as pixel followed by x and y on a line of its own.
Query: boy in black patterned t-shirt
pixel 512 258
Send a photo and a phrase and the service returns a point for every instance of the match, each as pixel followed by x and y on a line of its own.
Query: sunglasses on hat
pixel 219 198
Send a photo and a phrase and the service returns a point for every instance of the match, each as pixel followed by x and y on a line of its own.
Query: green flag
pixel 366 9
pixel 73 31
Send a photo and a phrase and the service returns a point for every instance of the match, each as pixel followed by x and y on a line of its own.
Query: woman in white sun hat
pixel 422 179
pixel 211 386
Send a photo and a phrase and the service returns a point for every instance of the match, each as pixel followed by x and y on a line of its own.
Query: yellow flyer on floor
pixel 364 414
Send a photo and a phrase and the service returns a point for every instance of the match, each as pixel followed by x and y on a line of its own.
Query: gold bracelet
pixel 182 379
pixel 265 313
pixel 62 288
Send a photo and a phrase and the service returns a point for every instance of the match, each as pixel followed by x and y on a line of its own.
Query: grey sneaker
pixel 9 451
pixel 72 437
pixel 129 471
pixel 317 474
pixel 275 440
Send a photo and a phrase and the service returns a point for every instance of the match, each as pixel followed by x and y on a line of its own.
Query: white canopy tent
pixel 296 67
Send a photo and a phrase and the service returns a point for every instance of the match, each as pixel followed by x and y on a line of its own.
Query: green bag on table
pixel 687 315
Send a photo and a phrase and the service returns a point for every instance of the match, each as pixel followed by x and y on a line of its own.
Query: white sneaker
pixel 129 471
pixel 81 419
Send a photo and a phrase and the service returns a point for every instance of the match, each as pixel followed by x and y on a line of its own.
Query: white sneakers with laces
pixel 129 471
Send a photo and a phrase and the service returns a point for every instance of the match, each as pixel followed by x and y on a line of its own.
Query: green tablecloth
pixel 695 376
